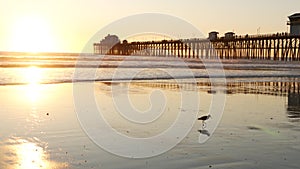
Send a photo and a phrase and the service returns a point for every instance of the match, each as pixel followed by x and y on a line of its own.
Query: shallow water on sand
pixel 259 127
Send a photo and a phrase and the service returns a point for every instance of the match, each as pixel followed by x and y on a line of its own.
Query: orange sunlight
pixel 23 154
pixel 31 34
pixel 33 76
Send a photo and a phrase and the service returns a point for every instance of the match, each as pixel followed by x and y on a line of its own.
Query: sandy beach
pixel 40 129
pixel 149 84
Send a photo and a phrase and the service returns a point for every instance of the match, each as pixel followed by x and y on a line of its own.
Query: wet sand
pixel 259 127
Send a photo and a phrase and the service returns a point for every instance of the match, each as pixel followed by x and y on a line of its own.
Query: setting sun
pixel 31 34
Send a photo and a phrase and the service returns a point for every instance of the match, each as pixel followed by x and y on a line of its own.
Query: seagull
pixel 203 119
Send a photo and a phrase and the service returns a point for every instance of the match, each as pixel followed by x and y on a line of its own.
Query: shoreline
pixel 257 120
pixel 258 78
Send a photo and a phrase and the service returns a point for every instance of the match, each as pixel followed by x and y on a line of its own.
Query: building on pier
pixel 213 35
pixel 109 45
pixel 110 40
pixel 229 35
pixel 294 24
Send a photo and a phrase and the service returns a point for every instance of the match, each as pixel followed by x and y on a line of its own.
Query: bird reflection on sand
pixel 205 132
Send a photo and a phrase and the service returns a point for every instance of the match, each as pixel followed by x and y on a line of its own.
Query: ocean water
pixel 40 126
pixel 61 69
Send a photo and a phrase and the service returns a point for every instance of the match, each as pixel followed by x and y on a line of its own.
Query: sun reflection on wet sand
pixel 34 92
pixel 33 76
pixel 17 153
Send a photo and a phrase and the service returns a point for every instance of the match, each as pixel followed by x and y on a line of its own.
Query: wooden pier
pixel 280 46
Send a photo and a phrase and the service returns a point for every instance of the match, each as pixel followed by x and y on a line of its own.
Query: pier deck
pixel 281 46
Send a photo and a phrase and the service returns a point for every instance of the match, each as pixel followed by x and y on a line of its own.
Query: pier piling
pixel 280 46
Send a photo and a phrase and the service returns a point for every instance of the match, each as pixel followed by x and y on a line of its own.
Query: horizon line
pixel 41 53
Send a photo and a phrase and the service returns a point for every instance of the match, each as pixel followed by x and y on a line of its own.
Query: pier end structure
pixel 294 22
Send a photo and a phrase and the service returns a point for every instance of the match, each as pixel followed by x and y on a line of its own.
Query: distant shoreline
pixel 42 53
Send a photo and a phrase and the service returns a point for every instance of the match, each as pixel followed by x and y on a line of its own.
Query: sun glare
pixel 31 34
pixel 33 75
pixel 23 154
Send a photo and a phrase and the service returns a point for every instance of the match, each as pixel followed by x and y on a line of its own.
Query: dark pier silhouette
pixel 280 46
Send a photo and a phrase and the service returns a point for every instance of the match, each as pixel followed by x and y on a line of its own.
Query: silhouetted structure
pixel 229 35
pixel 213 35
pixel 280 46
pixel 109 44
pixel 110 40
pixel 294 24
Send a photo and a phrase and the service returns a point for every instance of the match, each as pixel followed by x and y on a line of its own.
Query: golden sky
pixel 67 25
